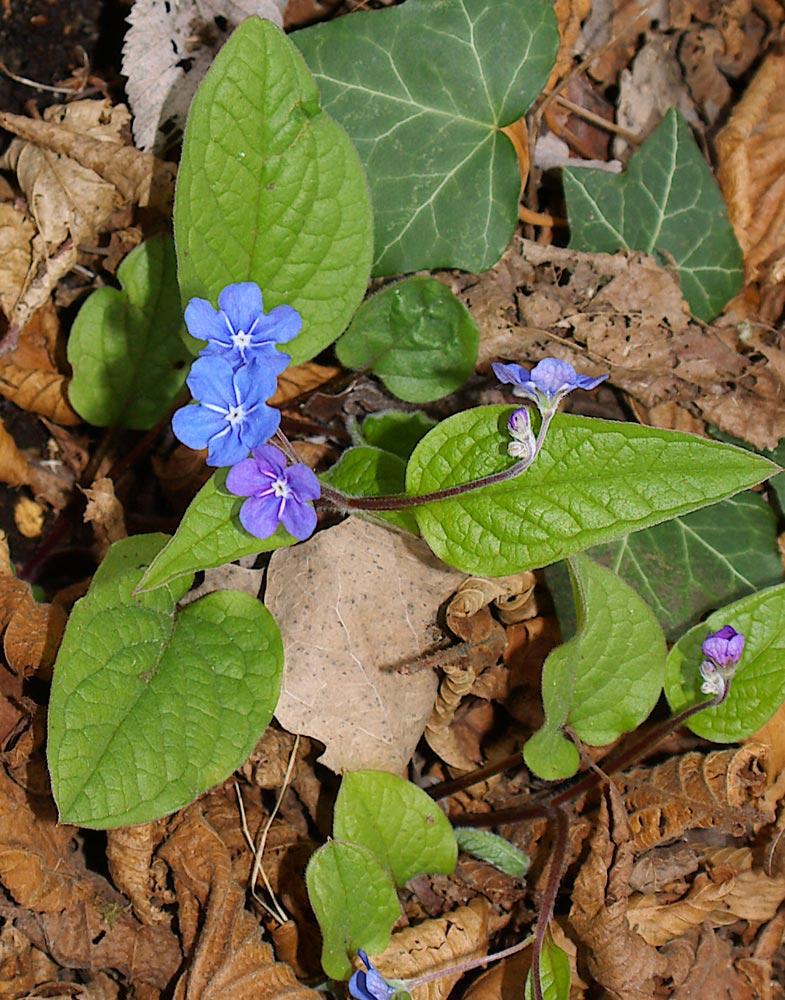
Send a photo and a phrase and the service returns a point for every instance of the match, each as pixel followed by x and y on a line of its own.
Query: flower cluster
pixel 231 382
pixel 722 650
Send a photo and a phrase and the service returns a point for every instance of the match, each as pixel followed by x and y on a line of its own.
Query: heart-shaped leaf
pixel 355 902
pixel 604 681
pixel 396 820
pixel 271 190
pixel 667 203
pixel 153 704
pixel 593 481
pixel 423 90
pixel 127 347
pixel 758 688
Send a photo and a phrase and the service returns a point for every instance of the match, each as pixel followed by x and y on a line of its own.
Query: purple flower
pixel 370 985
pixel 523 444
pixel 231 416
pixel 240 331
pixel 276 494
pixel 547 383
pixel 722 650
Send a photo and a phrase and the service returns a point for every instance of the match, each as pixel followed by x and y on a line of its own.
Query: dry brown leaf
pixel 751 169
pixel 32 631
pixel 569 14
pixel 706 968
pixel 16 253
pixel 227 957
pixel 610 36
pixel 658 923
pixel 28 517
pixel 129 854
pixel 348 679
pixel 5 556
pixel 105 512
pixel 14 467
pixel 618 959
pixel 436 944
pixel 624 314
pixel 696 791
pixel 302 380
pixel 22 966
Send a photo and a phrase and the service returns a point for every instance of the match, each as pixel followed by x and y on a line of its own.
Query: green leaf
pixel 604 681
pixel 153 704
pixel 271 190
pixel 777 455
pixel 423 90
pixel 492 848
pixel 395 431
pixel 686 567
pixel 667 203
pixel 554 973
pixel 354 900
pixel 209 535
pixel 396 820
pixel 416 336
pixel 372 472
pixel 593 481
pixel 127 348
pixel 757 690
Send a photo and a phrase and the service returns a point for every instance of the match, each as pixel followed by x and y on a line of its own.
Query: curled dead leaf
pixel 106 514
pixel 14 467
pixel 33 631
pixel 16 253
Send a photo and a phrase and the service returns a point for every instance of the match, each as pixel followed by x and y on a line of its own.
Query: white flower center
pixel 235 415
pixel 241 340
pixel 281 489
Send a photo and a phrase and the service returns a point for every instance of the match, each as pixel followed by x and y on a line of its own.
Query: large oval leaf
pixel 152 704
pixel 271 190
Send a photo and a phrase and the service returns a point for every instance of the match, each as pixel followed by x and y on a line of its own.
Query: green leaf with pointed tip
pixel 209 535
pixel 271 190
pixel 395 431
pixel 354 900
pixel 757 690
pixel 593 481
pixel 554 973
pixel 493 849
pixel 604 681
pixel 686 567
pixel 396 820
pixel 127 347
pixel 423 90
pixel 372 472
pixel 667 203
pixel 153 704
pixel 416 336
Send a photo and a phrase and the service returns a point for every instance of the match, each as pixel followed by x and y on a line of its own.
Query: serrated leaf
pixel 423 90
pixel 372 472
pixel 416 336
pixel 271 190
pixel 395 431
pixel 209 535
pixel 355 902
pixel 593 481
pixel 693 564
pixel 603 682
pixel 152 704
pixel 666 203
pixel 758 688
pixel 492 848
pixel 396 820
pixel 555 973
pixel 126 347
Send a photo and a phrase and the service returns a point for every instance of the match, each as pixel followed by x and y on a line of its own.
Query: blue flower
pixel 547 383
pixel 240 331
pixel 370 985
pixel 231 416
pixel 722 650
pixel 276 494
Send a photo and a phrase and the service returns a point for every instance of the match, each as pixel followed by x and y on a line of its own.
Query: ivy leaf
pixel 603 682
pixel 271 190
pixel 667 203
pixel 693 564
pixel 423 90
pixel 493 849
pixel 355 902
pixel 396 820
pixel 127 347
pixel 209 535
pixel 416 336
pixel 372 472
pixel 392 430
pixel 153 704
pixel 758 688
pixel 593 481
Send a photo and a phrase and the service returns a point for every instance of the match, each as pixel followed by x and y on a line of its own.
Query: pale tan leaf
pixel 38 391
pixel 383 590
pixel 28 517
pixel 658 922
pixel 302 380
pixel 14 467
pixel 16 253
pixel 129 853
pixel 106 514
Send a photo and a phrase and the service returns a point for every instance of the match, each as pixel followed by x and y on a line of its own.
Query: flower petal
pixel 258 427
pixel 279 325
pixel 205 323
pixel 255 383
pixel 303 482
pixel 299 519
pixel 211 381
pixel 227 448
pixel 244 479
pixel 194 425
pixel 270 460
pixel 259 516
pixel 242 304
pixel 511 374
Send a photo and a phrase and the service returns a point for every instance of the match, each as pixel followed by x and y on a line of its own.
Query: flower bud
pixel 523 444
